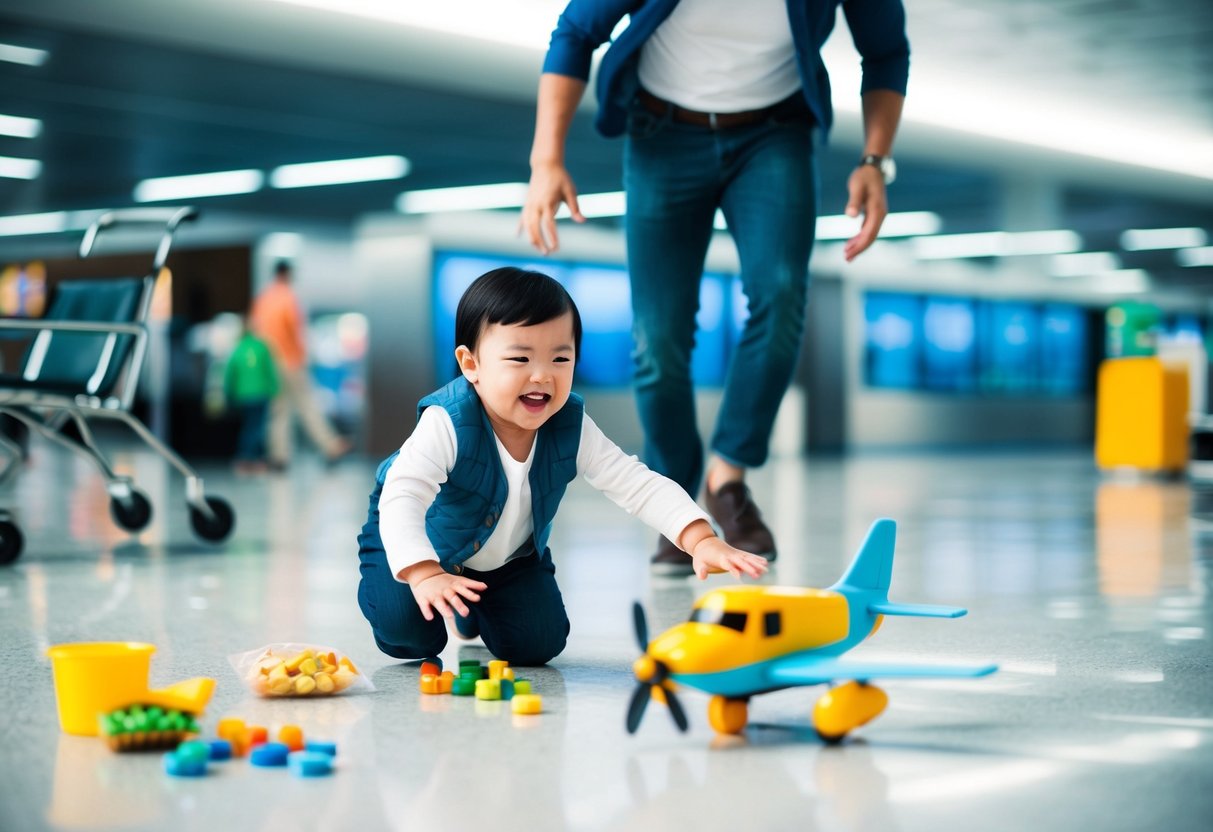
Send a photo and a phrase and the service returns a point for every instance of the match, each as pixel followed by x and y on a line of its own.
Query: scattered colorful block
pixel 310 763
pixel 269 755
pixel 488 689
pixel 322 747
pixel 291 736
pixel 527 703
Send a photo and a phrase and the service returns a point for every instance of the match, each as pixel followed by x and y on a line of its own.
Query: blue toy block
pixel 269 754
pixel 183 766
pixel 322 747
pixel 310 763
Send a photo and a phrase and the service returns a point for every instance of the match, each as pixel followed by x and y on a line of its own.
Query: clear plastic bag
pixel 291 669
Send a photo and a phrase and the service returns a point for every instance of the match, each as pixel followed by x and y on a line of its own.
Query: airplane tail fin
pixel 872 568
pixel 872 571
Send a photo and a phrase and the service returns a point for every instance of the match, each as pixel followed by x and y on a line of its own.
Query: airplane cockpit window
pixel 773 623
pixel 732 620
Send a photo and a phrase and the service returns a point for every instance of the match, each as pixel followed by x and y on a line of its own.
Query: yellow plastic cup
pixel 93 678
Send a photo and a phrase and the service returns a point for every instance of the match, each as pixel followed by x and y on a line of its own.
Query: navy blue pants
pixel 520 616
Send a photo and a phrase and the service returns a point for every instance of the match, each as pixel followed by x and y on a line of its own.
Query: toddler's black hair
pixel 512 296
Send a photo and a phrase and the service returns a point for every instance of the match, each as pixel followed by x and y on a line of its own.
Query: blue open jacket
pixel 877 26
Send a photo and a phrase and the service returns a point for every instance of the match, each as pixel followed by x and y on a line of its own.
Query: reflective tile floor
pixel 1093 595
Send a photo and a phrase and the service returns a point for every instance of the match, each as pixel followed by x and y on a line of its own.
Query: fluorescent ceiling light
pixel 469 198
pixel 605 204
pixel 12 167
pixel 948 95
pixel 22 128
pixel 1087 262
pixel 527 23
pixel 222 183
pixel 1149 239
pixel 23 54
pixel 1121 282
pixel 340 172
pixel 51 223
pixel 842 227
pixel 996 244
pixel 1202 256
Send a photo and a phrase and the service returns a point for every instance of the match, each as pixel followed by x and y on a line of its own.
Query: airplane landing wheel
pixel 727 715
pixel 845 708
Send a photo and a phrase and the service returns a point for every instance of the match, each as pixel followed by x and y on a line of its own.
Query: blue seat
pixel 84 363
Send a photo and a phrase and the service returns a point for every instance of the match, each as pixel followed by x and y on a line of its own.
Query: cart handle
pixel 170 218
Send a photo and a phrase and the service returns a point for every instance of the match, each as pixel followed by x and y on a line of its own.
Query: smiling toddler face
pixel 523 374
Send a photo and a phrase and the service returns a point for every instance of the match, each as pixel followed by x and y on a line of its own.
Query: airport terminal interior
pixel 1015 375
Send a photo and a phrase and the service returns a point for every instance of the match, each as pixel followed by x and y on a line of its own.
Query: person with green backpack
pixel 250 383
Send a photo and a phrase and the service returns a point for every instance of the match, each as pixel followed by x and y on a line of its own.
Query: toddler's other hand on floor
pixel 714 555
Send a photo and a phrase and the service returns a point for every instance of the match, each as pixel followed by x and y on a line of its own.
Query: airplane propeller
pixel 650 674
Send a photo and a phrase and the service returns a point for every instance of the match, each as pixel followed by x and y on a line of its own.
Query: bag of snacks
pixel 298 670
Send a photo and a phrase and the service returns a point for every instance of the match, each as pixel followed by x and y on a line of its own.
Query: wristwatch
pixel 884 164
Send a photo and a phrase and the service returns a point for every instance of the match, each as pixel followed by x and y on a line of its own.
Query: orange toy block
pixel 430 669
pixel 446 681
pixel 291 736
pixel 429 683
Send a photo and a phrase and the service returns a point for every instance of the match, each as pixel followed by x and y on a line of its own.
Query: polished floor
pixel 1093 594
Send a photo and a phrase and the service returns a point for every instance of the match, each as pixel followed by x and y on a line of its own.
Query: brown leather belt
pixel 716 121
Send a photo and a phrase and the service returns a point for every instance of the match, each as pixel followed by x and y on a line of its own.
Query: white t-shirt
pixel 427 457
pixel 722 56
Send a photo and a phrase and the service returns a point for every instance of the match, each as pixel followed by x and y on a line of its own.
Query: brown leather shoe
pixel 670 560
pixel 740 520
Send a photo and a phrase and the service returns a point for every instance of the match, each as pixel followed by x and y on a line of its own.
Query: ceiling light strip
pixel 221 183
pixel 340 172
pixel 20 127
pixel 12 167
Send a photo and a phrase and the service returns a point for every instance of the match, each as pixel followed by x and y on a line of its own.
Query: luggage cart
pixel 84 363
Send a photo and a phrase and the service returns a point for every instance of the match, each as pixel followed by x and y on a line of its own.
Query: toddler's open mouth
pixel 535 402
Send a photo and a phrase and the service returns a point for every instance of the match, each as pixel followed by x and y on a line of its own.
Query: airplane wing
pixel 809 671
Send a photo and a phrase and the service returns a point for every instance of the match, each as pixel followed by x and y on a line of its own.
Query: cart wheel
pixel 214 528
pixel 133 513
pixel 11 542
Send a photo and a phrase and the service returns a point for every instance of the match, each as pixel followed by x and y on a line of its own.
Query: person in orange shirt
pixel 277 318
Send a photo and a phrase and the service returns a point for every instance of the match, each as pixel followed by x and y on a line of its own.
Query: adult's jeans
pixel 762 176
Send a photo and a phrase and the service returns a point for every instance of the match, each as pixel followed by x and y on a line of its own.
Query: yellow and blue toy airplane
pixel 745 640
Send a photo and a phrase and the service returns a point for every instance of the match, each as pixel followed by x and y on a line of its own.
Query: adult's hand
pixel 867 196
pixel 550 187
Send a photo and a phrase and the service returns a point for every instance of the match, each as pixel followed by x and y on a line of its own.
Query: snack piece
pixel 146 728
pixel 298 670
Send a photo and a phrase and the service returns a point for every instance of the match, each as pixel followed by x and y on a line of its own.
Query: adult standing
pixel 719 101
pixel 277 317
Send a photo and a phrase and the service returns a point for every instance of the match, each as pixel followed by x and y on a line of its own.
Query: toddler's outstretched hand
pixel 444 593
pixel 714 555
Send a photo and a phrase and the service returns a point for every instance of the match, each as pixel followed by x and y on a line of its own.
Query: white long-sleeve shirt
pixel 427 457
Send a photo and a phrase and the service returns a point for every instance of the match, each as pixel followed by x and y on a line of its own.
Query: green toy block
pixel 463 686
pixel 507 688
pixel 522 686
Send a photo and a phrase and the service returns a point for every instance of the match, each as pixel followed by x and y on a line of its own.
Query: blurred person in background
pixel 250 383
pixel 277 317
pixel 718 102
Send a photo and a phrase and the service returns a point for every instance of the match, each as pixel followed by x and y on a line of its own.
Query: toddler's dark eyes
pixel 562 360
pixel 521 359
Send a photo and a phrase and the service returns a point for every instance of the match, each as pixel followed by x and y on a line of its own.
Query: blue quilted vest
pixel 468 506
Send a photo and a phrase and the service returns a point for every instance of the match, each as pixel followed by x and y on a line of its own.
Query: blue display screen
pixel 1010 347
pixel 965 345
pixel 949 339
pixel 892 326
pixel 604 299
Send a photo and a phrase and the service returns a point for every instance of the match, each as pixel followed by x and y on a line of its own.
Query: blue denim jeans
pixel 763 177
pixel 250 443
pixel 520 617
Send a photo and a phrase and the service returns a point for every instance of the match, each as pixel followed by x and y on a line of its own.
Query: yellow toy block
pixel 446 681
pixel 488 689
pixel 429 683
pixel 496 668
pixel 1141 418
pixel 527 703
